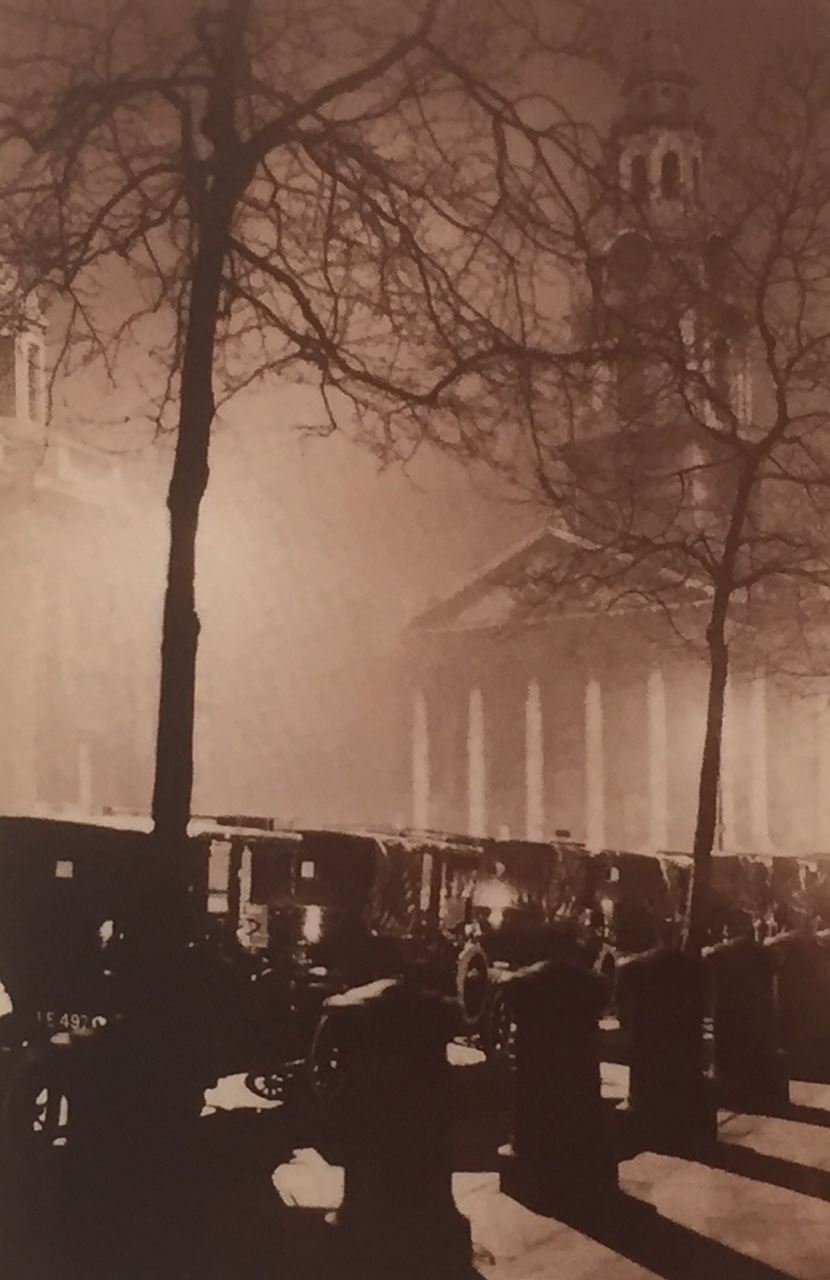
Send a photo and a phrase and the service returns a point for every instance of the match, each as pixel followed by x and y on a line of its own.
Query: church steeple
pixel 658 140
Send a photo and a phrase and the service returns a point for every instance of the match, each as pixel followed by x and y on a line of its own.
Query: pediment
pixel 555 575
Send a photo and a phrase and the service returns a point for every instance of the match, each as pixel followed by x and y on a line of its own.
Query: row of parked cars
pixel 135 978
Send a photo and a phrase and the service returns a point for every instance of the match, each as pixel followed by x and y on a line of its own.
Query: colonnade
pixel 748 730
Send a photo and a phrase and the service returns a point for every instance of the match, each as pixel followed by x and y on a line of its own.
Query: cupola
pixel 658 140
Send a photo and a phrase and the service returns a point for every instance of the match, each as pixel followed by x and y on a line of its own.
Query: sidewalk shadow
pixel 806 1115
pixel 639 1233
pixel 204 1210
pixel 812 1068
pixel 731 1157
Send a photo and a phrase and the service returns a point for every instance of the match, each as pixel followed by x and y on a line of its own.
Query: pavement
pixel 256 1196
pixel 756 1206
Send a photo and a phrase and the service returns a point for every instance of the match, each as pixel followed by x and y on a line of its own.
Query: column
pixel 823 771
pixel 420 763
pixel 476 766
pixel 758 768
pixel 658 766
pixel 594 767
pixel 534 764
pixel 728 814
pixel 85 777
pixel 25 586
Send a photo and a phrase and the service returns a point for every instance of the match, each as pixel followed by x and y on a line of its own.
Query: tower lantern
pixel 658 140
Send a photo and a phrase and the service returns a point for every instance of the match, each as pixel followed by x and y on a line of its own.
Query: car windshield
pixel 326 869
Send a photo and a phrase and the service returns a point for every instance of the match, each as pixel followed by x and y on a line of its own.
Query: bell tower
pixel 658 141
pixel 669 360
pixel 647 270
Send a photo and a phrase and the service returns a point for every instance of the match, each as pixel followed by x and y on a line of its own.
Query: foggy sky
pixel 312 561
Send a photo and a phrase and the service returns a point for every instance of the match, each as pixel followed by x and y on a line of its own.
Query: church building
pixel 588 717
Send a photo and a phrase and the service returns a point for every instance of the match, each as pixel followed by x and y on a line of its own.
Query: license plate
pixel 55 1020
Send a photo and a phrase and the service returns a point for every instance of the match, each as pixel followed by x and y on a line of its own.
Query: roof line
pixel 484 578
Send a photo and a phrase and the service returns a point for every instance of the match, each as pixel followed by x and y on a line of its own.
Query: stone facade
pixel 589 725
pixel 76 667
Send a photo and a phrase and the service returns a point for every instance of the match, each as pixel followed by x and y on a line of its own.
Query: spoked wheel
pixel 473 984
pixel 36 1115
pixel 325 1061
pixel 268 1086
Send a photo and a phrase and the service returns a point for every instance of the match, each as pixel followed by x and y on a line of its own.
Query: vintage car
pixel 313 913
pixel 103 964
pixel 132 980
pixel 741 895
pixel 816 889
pixel 638 901
pixel 319 911
pixel 300 920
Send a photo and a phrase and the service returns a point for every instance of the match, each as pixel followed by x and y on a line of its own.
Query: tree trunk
pixel 173 785
pixel 173 788
pixel 709 780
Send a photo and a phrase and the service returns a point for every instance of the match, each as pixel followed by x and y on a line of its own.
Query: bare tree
pixel 682 441
pixel 308 190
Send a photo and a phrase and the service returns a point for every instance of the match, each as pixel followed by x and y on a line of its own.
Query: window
pixel 639 178
pixel 218 876
pixel 272 874
pixel 34 405
pixel 219 865
pixel 721 371
pixel 670 176
pixel 8 407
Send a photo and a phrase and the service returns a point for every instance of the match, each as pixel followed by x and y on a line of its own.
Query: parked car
pixel 103 962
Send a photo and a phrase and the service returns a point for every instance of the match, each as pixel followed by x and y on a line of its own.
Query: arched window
pixel 639 178
pixel 670 176
pixel 721 372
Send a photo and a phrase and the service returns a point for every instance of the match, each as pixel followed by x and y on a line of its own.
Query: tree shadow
pixel 482 1117
pixel 806 1115
pixel 747 1163
pixel 636 1231
pixel 205 1209
pixel 212 1214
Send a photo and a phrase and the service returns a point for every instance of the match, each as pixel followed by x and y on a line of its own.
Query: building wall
pixel 605 740
pixel 75 662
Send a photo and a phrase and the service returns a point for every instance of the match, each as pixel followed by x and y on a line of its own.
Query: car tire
pixel 499 1030
pixel 268 1086
pixel 324 1061
pixel 472 984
